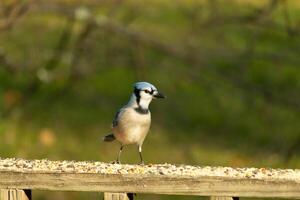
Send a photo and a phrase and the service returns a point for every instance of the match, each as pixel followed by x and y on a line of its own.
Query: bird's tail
pixel 109 138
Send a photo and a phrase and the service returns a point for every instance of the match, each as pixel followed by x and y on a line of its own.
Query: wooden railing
pixel 18 177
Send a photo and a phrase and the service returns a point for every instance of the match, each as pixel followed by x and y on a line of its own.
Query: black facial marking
pixel 151 91
pixel 137 95
pixel 141 110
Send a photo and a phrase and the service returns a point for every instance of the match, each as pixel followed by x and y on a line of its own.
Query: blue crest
pixel 144 85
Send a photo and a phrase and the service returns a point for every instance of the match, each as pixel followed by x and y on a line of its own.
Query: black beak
pixel 159 95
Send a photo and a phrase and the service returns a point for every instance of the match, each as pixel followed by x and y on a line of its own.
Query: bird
pixel 132 122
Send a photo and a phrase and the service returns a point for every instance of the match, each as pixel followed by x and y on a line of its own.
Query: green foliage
pixel 229 70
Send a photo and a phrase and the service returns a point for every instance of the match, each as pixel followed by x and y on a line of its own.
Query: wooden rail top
pixel 151 178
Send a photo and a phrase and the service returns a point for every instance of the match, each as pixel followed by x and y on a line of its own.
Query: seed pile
pixel 47 166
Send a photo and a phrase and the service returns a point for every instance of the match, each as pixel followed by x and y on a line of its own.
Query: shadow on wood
pixel 118 196
pixel 11 194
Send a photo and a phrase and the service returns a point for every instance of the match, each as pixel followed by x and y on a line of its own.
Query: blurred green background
pixel 230 70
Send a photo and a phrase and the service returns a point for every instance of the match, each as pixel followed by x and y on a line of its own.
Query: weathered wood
pixel 15 194
pixel 223 198
pixel 117 196
pixel 157 179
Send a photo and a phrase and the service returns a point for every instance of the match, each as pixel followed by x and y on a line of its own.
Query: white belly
pixel 132 127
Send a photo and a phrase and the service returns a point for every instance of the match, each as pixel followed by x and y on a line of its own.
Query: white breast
pixel 132 126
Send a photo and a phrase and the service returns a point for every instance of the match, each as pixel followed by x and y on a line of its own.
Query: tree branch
pixel 13 14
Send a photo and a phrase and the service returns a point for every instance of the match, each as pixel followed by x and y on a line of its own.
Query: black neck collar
pixel 141 110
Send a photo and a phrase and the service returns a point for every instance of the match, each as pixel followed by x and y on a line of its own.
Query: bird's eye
pixel 147 91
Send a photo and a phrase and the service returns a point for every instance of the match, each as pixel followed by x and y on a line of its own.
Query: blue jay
pixel 132 122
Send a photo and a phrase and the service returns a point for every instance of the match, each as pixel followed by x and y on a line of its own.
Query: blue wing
pixel 115 120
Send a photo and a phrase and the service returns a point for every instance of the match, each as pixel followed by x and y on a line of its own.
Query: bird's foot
pixel 116 162
pixel 142 163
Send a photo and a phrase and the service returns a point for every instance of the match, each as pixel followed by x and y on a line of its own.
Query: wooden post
pixel 223 198
pixel 15 194
pixel 118 196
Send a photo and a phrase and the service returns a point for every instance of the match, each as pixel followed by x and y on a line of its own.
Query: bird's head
pixel 144 92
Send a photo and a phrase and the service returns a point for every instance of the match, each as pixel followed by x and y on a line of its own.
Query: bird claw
pixel 116 162
pixel 142 163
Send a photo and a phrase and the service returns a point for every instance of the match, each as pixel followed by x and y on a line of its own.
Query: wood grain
pixel 117 196
pixel 223 198
pixel 156 179
pixel 15 194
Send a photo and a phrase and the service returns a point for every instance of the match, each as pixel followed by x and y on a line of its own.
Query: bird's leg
pixel 141 157
pixel 119 155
